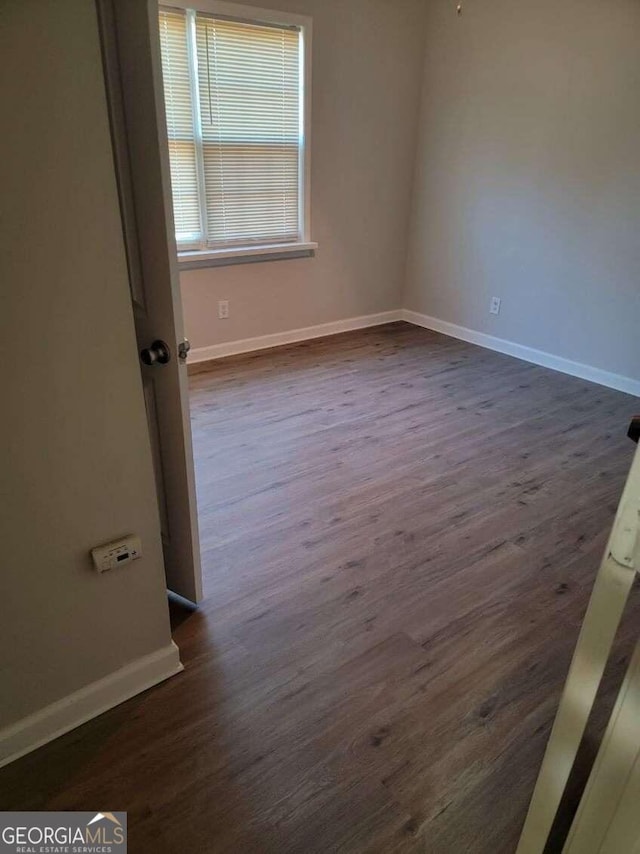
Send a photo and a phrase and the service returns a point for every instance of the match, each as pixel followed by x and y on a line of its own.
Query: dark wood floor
pixel 400 533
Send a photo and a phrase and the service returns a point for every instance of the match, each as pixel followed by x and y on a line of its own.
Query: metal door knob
pixel 183 349
pixel 157 354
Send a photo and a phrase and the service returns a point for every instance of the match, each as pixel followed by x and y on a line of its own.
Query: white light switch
pixel 116 553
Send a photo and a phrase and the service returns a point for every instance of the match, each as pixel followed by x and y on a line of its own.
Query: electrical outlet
pixel 494 306
pixel 223 309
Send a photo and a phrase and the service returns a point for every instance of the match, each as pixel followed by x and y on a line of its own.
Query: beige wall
pixel 528 175
pixel 76 467
pixel 367 60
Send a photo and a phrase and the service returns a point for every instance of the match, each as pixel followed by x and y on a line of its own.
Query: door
pixel 131 54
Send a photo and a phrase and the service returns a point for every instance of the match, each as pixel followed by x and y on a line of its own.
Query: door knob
pixel 157 354
pixel 183 349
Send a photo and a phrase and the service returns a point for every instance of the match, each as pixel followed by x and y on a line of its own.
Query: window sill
pixel 193 259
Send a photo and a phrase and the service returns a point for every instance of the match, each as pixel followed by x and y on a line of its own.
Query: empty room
pixel 321 480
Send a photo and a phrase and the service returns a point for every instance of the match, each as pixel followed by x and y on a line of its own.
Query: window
pixel 237 122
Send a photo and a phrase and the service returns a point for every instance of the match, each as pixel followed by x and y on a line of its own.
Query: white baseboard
pixel 263 342
pixel 490 342
pixel 528 354
pixel 89 702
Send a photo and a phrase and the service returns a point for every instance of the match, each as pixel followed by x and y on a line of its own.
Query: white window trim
pixel 196 257
pixel 190 259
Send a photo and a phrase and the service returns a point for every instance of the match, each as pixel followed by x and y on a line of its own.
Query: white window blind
pixel 234 104
pixel 180 127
